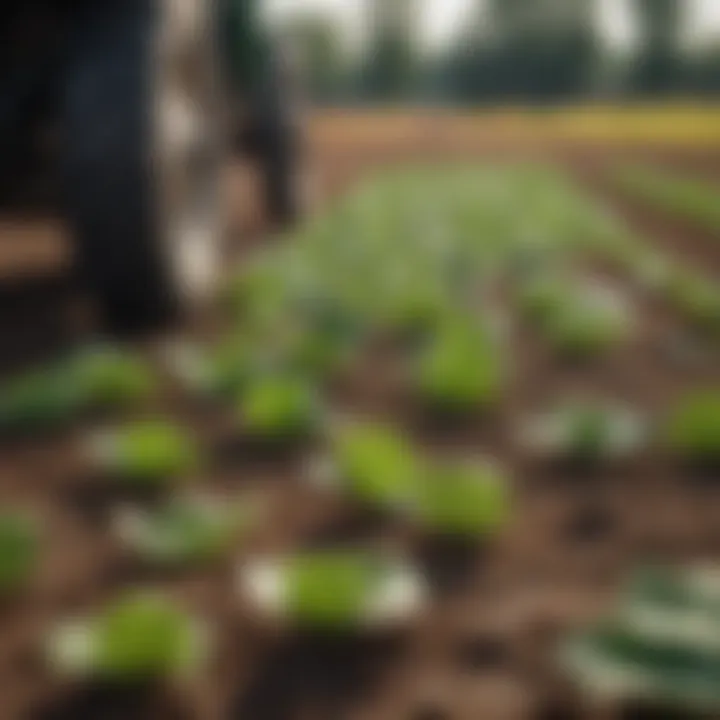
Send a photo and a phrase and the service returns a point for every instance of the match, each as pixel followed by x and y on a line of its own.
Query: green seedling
pixel 217 372
pixel 280 406
pixel 693 428
pixel 541 297
pixel 375 463
pixel 140 637
pixel 586 432
pixel 37 401
pixel 588 324
pixel 659 645
pixel 337 590
pixel 697 299
pixel 463 498
pixel 145 453
pixel 461 369
pixel 185 531
pixel 19 552
pixel 109 377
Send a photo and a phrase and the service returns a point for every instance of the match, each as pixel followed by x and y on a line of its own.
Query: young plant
pixel 280 406
pixel 19 552
pixel 375 464
pixel 542 296
pixel 460 370
pixel 463 498
pixel 659 646
pixel 585 432
pixel 693 429
pixel 588 323
pixel 217 372
pixel 37 401
pixel 110 377
pixel 697 299
pixel 147 453
pixel 140 637
pixel 336 590
pixel 187 530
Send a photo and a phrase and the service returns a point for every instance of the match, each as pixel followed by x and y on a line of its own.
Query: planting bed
pixel 552 552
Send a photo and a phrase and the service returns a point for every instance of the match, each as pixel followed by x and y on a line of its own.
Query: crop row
pixel 438 264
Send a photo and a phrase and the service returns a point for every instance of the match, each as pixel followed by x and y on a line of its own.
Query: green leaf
pixel 466 498
pixel 39 400
pixel 109 376
pixel 280 406
pixel 693 429
pixel 376 464
pixel 461 369
pixel 148 452
pixel 19 551
pixel 140 636
pixel 329 588
pixel 185 530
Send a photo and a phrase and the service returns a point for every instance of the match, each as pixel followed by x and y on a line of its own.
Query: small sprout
pixel 37 401
pixel 697 299
pixel 541 296
pixel 280 406
pixel 215 372
pixel 659 645
pixel 416 305
pixel 110 377
pixel 141 636
pixel 319 348
pixel 693 429
pixel 187 530
pixel 375 464
pixel 335 590
pixel 19 552
pixel 146 453
pixel 463 498
pixel 589 323
pixel 588 432
pixel 460 370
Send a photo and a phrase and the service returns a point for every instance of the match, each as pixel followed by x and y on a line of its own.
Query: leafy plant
pixel 280 405
pixel 216 372
pixel 108 376
pixel 697 299
pixel 186 530
pixel 693 428
pixel 588 323
pixel 541 296
pixel 686 196
pixel 585 431
pixel 38 400
pixel 375 463
pixel 659 646
pixel 461 369
pixel 141 636
pixel 147 453
pixel 19 551
pixel 335 589
pixel 466 498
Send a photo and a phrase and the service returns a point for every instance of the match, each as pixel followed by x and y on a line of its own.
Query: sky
pixel 441 18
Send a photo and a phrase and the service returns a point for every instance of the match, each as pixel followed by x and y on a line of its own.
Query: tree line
pixel 511 51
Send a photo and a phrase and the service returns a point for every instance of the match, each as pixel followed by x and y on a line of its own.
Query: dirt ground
pixel 484 652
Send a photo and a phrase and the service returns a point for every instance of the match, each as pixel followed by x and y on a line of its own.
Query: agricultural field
pixel 448 451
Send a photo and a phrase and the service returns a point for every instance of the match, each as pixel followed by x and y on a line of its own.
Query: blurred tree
pixel 389 69
pixel 316 38
pixel 526 49
pixel 657 67
pixel 704 70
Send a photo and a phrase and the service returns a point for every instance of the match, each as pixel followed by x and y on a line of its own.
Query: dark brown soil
pixel 484 650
